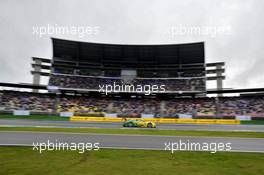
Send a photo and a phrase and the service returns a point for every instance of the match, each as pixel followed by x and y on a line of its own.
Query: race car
pixel 139 123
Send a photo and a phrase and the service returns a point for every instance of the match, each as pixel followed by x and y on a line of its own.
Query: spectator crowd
pixel 44 102
pixel 92 83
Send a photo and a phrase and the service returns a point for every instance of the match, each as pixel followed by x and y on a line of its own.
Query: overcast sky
pixel 238 40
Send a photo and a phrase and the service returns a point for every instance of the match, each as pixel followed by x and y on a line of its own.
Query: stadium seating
pixel 15 100
pixel 88 82
pixel 229 106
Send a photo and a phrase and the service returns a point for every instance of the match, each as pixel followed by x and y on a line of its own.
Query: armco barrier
pixel 228 122
pixel 157 120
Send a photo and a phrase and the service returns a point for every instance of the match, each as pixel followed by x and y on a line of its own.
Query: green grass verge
pixel 25 161
pixel 35 117
pixel 140 132
pixel 253 122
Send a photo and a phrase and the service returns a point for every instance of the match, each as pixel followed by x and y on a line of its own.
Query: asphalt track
pixel 68 124
pixel 145 142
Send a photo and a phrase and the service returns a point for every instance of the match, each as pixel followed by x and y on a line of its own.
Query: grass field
pixel 34 117
pixel 253 122
pixel 140 132
pixel 25 161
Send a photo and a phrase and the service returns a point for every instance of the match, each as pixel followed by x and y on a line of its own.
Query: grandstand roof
pixel 190 53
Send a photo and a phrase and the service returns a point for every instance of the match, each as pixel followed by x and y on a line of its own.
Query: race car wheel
pixel 149 125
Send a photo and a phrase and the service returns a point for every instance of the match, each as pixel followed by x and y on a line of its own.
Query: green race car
pixel 139 123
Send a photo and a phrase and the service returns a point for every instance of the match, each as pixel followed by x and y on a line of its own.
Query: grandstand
pixel 165 107
pixel 78 69
pixel 78 65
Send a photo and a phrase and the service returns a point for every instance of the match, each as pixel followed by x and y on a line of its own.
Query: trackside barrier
pixel 157 120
